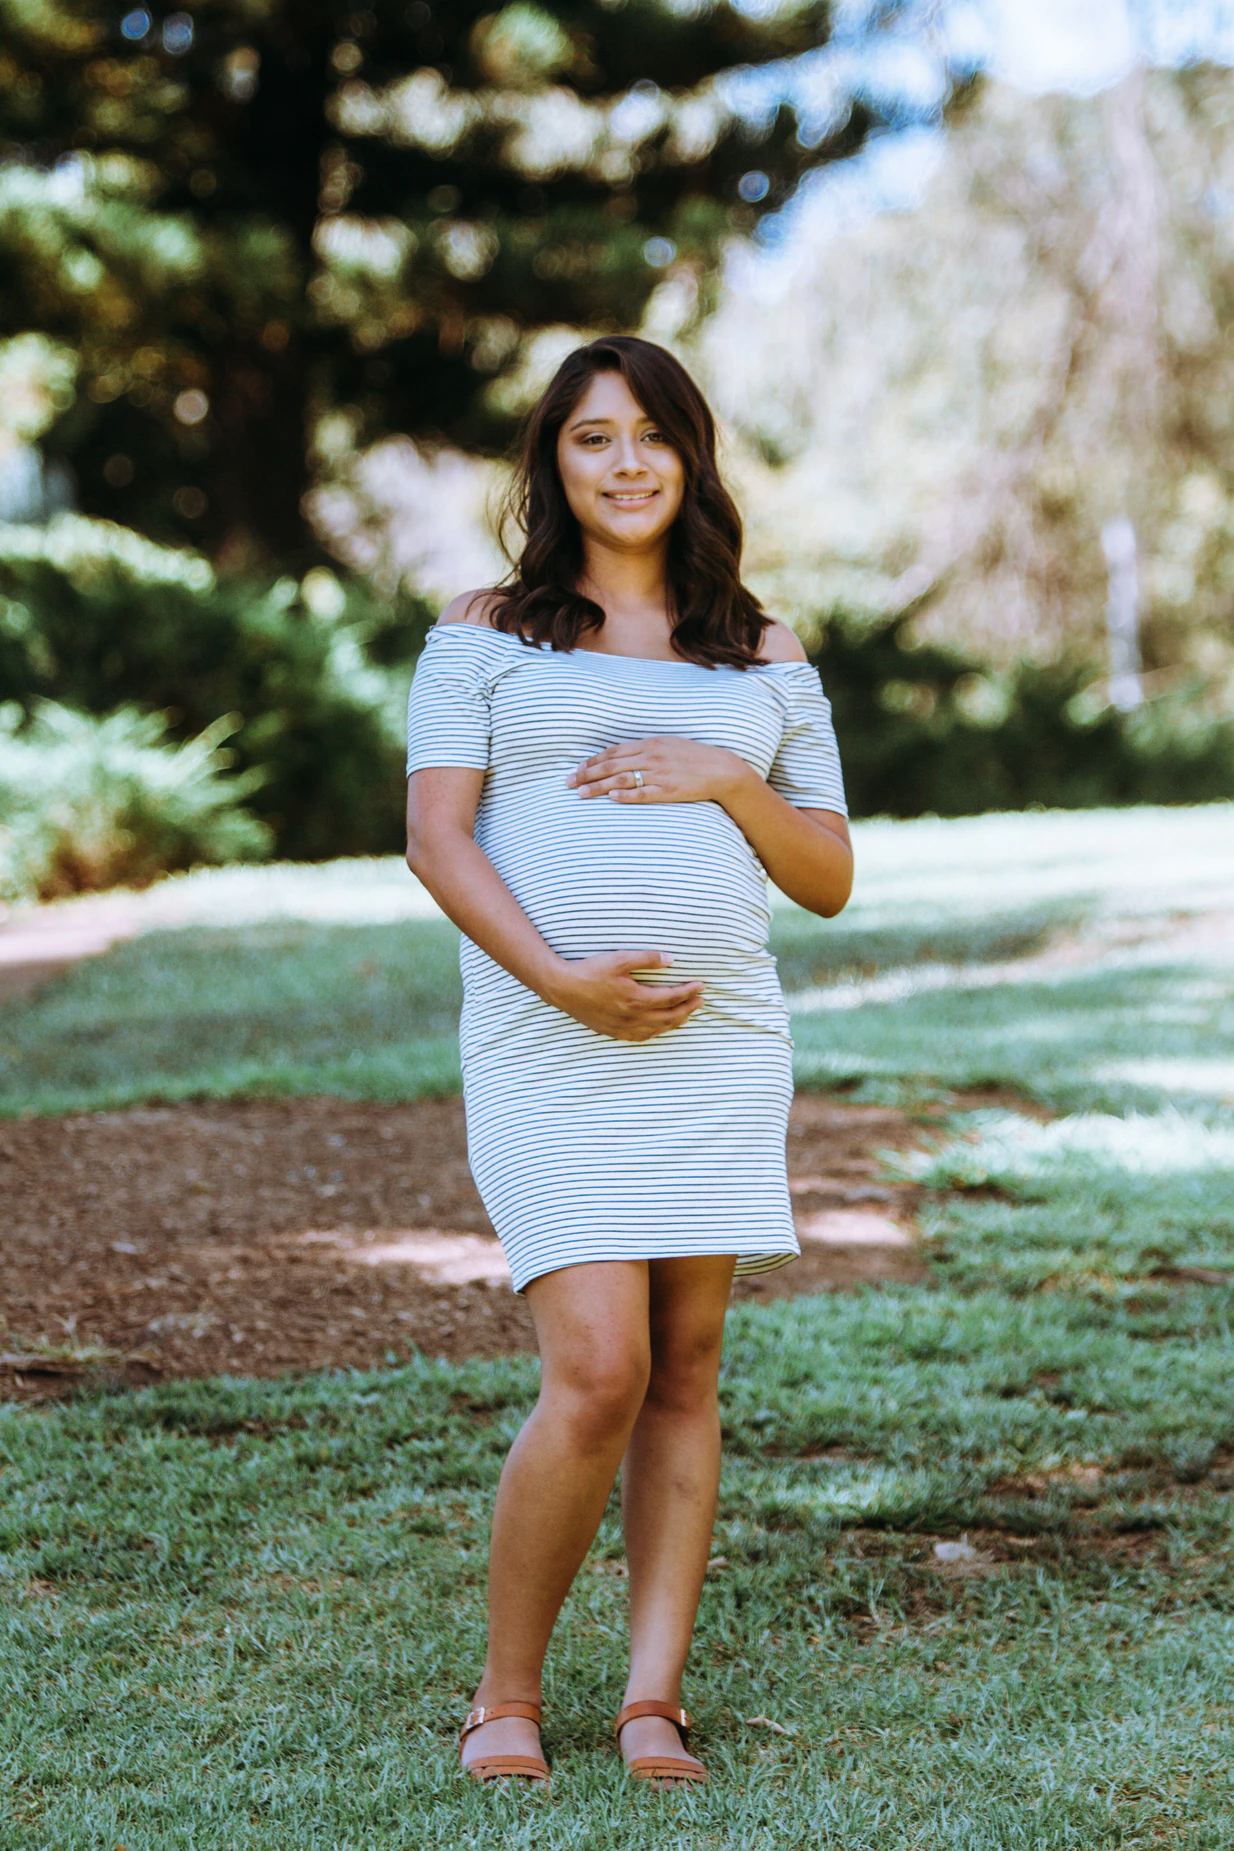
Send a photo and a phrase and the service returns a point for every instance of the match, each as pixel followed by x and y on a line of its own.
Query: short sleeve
pixel 806 769
pixel 448 708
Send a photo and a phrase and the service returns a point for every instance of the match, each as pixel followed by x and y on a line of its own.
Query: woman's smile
pixel 614 460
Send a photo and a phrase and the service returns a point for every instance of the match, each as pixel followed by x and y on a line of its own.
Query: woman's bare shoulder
pixel 474 607
pixel 779 644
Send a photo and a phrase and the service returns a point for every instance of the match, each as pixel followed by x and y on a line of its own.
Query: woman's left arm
pixel 806 852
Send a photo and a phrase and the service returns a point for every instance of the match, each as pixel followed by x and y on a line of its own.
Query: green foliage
pixel 89 804
pixel 282 208
pixel 924 729
pixel 99 616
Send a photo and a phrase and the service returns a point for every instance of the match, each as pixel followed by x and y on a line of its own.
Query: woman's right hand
pixel 602 994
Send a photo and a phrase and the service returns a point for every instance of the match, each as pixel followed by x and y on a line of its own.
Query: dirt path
pixel 255 1238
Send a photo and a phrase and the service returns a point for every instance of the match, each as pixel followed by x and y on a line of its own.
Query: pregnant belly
pixel 595 876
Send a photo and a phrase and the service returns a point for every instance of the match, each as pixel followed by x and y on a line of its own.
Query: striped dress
pixel 586 1148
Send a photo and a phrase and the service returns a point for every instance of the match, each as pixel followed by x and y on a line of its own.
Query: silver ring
pixel 638 780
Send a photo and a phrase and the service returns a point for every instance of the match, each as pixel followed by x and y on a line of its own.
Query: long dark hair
pixel 715 618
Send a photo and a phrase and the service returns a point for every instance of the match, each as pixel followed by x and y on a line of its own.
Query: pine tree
pixel 243 217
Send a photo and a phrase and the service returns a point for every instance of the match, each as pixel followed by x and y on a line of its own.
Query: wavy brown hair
pixel 715 618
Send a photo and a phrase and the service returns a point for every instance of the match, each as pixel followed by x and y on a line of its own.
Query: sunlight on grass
pixel 978 864
pixel 1212 1077
pixel 1005 1149
pixel 1076 1040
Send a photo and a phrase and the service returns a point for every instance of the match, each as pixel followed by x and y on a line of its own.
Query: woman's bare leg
pixel 669 1480
pixel 592 1325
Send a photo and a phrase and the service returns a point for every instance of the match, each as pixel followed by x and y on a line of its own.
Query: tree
pixel 243 215
pixel 963 396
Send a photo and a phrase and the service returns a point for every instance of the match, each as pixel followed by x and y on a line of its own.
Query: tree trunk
pixel 257 473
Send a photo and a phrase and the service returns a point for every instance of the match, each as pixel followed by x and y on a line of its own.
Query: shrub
pixel 95 616
pixel 928 730
pixel 92 803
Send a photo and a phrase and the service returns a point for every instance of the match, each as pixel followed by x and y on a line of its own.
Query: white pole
pixel 1122 614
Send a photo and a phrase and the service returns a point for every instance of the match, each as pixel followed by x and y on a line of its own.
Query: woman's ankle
pixel 499 1687
pixel 652 1686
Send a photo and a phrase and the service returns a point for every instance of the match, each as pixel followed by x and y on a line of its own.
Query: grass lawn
pixel 248 1615
pixel 344 978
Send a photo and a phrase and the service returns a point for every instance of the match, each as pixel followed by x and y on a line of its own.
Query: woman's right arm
pixel 598 991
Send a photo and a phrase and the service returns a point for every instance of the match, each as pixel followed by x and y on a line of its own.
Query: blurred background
pixel 277 282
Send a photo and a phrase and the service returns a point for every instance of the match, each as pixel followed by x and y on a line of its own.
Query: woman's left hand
pixel 672 771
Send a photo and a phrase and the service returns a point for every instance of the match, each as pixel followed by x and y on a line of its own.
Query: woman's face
pixel 622 478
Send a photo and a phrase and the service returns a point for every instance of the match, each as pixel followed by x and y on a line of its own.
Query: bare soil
pixel 258 1238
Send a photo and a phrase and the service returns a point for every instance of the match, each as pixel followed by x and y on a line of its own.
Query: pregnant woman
pixel 607 757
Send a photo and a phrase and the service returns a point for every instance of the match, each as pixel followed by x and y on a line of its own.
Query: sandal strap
pixel 491 1712
pixel 652 1706
pixel 500 1767
pixel 651 1767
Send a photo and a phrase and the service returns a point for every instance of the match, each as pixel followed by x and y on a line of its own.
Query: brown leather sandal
pixel 661 1768
pixel 489 1768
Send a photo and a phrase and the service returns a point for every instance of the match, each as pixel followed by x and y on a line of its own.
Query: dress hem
pixel 748 1264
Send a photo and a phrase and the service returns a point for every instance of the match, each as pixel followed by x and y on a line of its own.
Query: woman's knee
pixel 685 1368
pixel 599 1391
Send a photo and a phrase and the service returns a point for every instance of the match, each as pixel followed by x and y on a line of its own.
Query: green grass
pixel 248 1615
pixel 1076 1041
pixel 283 1007
pixel 1113 1207
pixel 342 979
